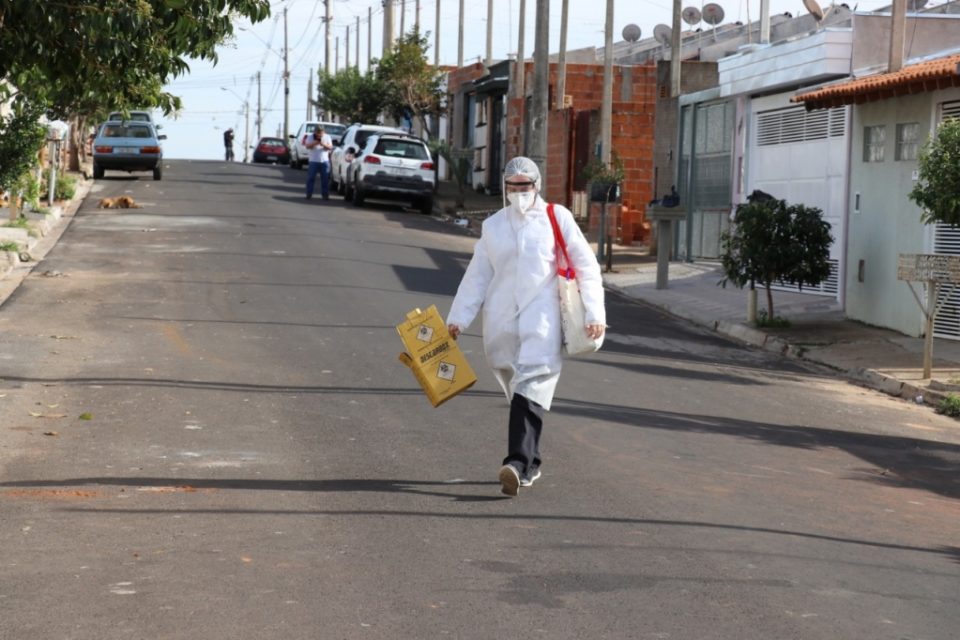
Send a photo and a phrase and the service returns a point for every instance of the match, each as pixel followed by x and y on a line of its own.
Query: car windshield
pixel 334 129
pixel 125 131
pixel 272 142
pixel 394 148
pixel 139 117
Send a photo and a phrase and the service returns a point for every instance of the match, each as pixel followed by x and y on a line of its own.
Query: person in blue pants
pixel 319 145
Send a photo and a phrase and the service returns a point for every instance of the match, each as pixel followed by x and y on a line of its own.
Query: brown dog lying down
pixel 120 202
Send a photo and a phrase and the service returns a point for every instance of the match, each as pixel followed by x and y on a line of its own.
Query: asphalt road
pixel 257 463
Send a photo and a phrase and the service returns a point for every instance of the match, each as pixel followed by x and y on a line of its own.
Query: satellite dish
pixel 713 14
pixel 814 9
pixel 662 33
pixel 631 33
pixel 691 15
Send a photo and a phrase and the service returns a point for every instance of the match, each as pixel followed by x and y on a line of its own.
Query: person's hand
pixel 454 330
pixel 595 331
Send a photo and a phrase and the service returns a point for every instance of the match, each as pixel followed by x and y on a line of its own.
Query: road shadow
pixel 896 461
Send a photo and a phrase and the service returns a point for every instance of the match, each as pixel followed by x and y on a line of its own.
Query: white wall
pixel 887 222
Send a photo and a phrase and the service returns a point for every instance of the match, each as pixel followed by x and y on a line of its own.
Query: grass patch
pixel 950 405
pixel 9 246
pixel 776 322
pixel 20 223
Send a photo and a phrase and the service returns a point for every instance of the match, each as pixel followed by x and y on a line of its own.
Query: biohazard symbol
pixel 424 333
pixel 446 371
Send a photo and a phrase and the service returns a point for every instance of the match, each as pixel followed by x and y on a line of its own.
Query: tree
pixel 354 97
pixel 412 84
pixel 772 241
pixel 79 57
pixel 21 137
pixel 937 191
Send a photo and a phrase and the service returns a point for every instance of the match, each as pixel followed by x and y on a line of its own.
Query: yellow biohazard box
pixel 433 356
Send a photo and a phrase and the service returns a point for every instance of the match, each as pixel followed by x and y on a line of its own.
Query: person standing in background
pixel 319 145
pixel 228 144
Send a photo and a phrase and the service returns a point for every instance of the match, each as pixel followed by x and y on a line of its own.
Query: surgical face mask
pixel 522 200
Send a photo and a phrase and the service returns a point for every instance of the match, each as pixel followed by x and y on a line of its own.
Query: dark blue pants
pixel 324 169
pixel 523 442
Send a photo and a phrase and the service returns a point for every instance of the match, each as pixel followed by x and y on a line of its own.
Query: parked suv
pixel 395 167
pixel 354 139
pixel 299 154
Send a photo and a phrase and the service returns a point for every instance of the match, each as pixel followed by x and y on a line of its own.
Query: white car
pixel 393 166
pixel 299 154
pixel 354 139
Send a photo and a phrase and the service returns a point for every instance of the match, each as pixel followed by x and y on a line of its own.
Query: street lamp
pixel 246 126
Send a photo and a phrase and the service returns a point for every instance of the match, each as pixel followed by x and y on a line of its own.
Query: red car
pixel 272 150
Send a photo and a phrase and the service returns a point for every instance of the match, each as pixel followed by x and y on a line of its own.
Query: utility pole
pixel 286 81
pixel 521 57
pixel 310 97
pixel 369 38
pixel 606 104
pixel 403 13
pixel 259 113
pixel 336 54
pixel 436 39
pixel 246 131
pixel 416 17
pixel 346 49
pixel 327 19
pixel 562 59
pixel 675 51
pixel 541 87
pixel 387 27
pixel 460 39
pixel 489 60
pixel 358 44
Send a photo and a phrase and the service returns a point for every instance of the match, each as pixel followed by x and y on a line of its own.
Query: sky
pixel 214 95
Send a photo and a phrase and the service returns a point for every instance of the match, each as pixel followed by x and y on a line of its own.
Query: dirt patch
pixel 51 494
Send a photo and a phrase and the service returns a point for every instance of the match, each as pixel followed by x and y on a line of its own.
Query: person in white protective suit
pixel 513 277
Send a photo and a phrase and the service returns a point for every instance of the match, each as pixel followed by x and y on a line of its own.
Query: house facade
pixel 893 114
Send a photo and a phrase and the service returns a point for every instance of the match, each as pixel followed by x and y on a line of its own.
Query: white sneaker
pixel 509 480
pixel 528 481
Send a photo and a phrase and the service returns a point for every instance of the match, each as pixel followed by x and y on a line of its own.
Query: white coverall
pixel 513 276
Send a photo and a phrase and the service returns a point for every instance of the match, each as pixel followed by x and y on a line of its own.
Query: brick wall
pixel 634 106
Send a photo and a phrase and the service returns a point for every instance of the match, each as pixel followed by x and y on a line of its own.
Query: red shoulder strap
pixel 565 269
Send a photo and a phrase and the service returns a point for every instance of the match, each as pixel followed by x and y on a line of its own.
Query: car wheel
pixel 157 172
pixel 426 206
pixel 358 196
pixel 97 171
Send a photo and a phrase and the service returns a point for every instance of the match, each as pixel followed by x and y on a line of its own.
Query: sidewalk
pixel 877 358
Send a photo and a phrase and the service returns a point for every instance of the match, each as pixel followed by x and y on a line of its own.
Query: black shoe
pixel 509 480
pixel 326 197
pixel 309 196
pixel 528 480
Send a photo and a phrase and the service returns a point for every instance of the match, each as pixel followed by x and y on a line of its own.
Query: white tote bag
pixel 572 312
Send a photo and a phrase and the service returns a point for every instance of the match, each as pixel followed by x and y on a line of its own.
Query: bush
pixel 937 191
pixel 66 186
pixel 950 405
pixel 772 241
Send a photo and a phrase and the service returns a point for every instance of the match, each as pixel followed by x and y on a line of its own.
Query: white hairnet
pixel 521 166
